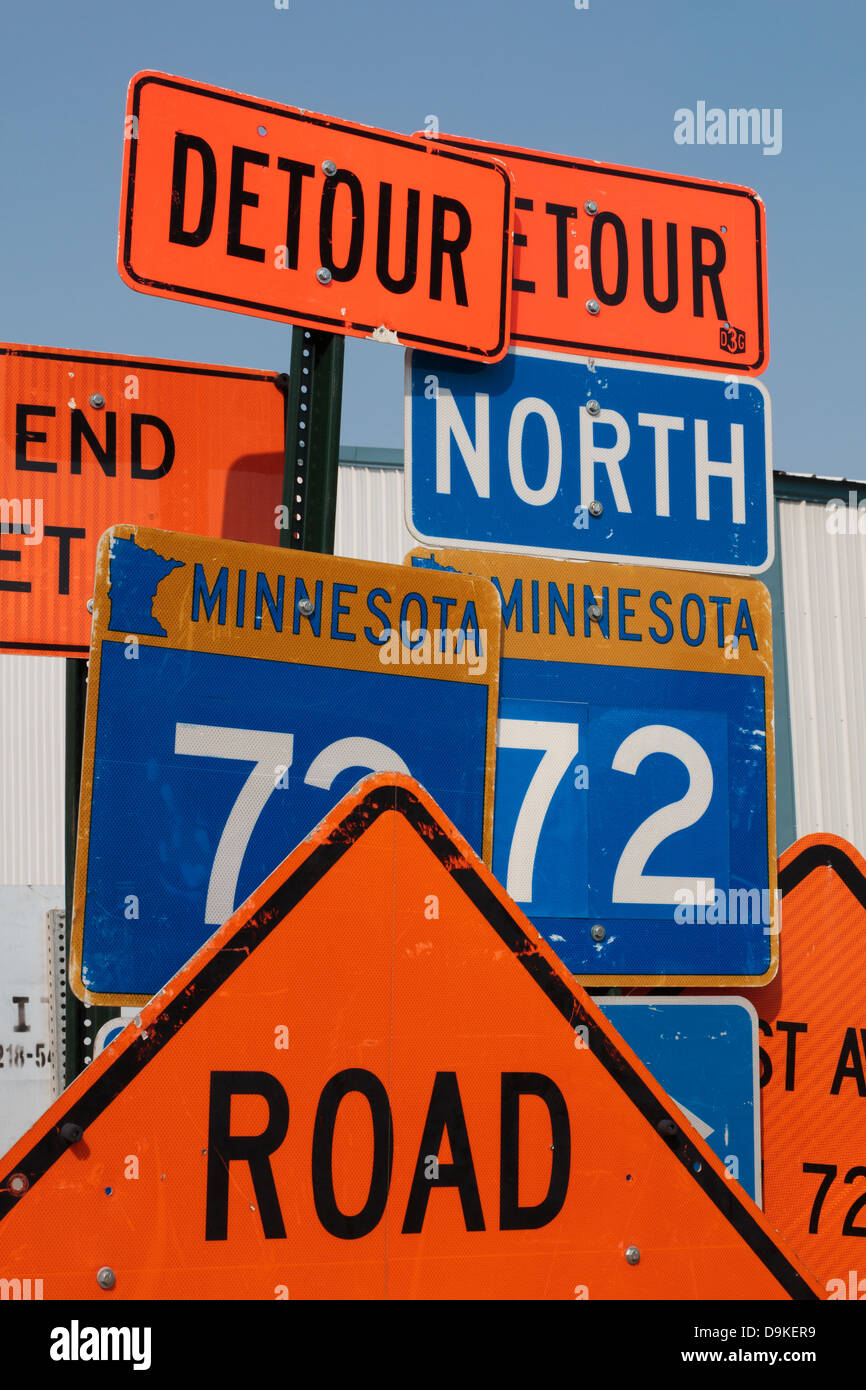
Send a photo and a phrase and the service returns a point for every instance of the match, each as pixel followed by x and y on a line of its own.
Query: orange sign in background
pixel 674 267
pixel 89 440
pixel 269 210
pixel 812 1021
pixel 376 1080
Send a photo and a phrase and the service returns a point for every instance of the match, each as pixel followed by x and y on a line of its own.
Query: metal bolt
pixel 323 275
pixel 590 207
pixel 89 605
pixel 329 168
pixel 632 1254
pixel 598 932
pixel 593 306
pixel 71 1133
pixel 106 1278
pixel 594 612
pixel 593 408
pixel 18 1184
pixel 667 1127
pixel 595 508
pixel 306 605
pixel 97 401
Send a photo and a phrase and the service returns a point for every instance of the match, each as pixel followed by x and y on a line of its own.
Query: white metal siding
pixel 370 523
pixel 824 577
pixel 32 721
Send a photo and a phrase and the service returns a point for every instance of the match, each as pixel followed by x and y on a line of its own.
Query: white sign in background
pixel 27 1071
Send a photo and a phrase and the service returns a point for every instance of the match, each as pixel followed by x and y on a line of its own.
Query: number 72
pixel 271 754
pixel 559 742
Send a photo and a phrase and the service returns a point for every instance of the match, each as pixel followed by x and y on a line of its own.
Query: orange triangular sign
pixel 813 1064
pixel 377 1081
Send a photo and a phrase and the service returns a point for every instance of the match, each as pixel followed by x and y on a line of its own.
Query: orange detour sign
pixel 268 210
pixel 377 1081
pixel 813 1063
pixel 87 439
pixel 629 263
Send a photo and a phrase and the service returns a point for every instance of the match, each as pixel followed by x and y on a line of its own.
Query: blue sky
pixel 601 83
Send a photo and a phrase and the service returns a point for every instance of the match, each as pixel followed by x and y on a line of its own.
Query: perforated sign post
pixel 548 454
pixel 87 438
pixel 634 817
pixel 377 1081
pixel 269 210
pixel 612 261
pixel 235 693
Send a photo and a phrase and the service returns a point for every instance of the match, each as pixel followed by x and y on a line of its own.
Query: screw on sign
pixel 653 267
pixel 391 1089
pixel 269 210
pixel 812 1019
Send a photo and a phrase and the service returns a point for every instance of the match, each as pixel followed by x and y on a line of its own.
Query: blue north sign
pixel 555 455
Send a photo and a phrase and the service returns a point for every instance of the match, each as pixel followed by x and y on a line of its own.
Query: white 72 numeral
pixel 559 742
pixel 272 754
pixel 630 883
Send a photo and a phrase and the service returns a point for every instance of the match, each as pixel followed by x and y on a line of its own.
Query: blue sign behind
pixel 546 454
pixel 704 1052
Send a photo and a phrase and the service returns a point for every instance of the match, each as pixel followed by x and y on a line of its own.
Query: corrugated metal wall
pixel 370 523
pixel 32 724
pixel 824 579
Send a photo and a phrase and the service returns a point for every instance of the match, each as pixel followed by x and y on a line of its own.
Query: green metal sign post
pixel 312 440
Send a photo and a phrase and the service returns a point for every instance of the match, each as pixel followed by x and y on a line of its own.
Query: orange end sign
pixel 377 1081
pixel 624 262
pixel 87 440
pixel 813 1063
pixel 269 210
